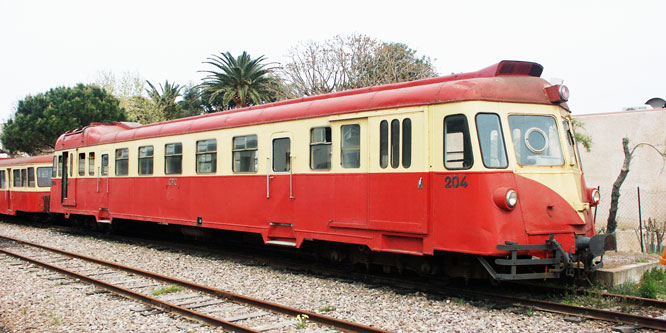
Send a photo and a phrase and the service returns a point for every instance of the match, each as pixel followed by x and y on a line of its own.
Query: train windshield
pixel 536 140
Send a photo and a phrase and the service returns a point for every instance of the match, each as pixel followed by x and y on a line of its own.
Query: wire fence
pixel 641 219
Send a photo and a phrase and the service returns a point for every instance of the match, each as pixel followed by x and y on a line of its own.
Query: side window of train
pixel 206 156
pixel 17 178
pixel 350 146
pixel 44 177
pixel 122 162
pixel 59 166
pixel 54 168
pixel 146 160
pixel 491 140
pixel 24 179
pixel 105 164
pixel 3 180
pixel 394 143
pixel 31 177
pixel 320 148
pixel 82 164
pixel 245 153
pixel 91 164
pixel 173 158
pixel 457 143
pixel 70 160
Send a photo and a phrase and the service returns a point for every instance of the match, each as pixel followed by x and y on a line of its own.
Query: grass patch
pixel 326 308
pixel 56 320
pixel 166 290
pixel 652 285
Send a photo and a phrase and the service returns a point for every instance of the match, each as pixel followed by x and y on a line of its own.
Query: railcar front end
pixel 512 192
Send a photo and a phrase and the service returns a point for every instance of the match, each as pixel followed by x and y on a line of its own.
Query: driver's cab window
pixel 457 143
pixel 536 140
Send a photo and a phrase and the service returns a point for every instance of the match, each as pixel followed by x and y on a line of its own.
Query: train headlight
pixel 505 198
pixel 511 198
pixel 595 196
pixel 558 93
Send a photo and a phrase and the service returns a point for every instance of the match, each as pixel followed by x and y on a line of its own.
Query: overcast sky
pixel 611 54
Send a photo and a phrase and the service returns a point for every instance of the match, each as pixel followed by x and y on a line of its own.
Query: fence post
pixel 640 218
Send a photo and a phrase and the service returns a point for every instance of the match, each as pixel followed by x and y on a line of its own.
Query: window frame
pixel 91 164
pixel 328 134
pixel 407 141
pixel 82 164
pixel 287 162
pixel 168 157
pixel 254 151
pixel 16 174
pixel 356 148
pixel 54 168
pixel 213 154
pixel 104 165
pixel 466 140
pixel 45 179
pixel 501 135
pixel 59 171
pixel 559 145
pixel 121 159
pixel 141 159
pixel 384 144
pixel 31 174
pixel 394 144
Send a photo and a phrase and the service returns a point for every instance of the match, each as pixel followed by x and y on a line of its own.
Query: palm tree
pixel 240 81
pixel 165 99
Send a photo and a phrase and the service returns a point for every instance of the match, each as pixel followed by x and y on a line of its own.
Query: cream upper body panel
pixel 9 171
pixel 299 132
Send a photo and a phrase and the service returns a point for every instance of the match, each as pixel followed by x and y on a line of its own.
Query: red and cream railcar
pixel 483 163
pixel 25 184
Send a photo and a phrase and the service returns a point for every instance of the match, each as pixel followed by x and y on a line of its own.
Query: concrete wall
pixel 602 165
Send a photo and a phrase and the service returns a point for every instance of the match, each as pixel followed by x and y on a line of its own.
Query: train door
pixel 103 188
pixel 8 193
pixel 68 184
pixel 280 190
pixel 63 182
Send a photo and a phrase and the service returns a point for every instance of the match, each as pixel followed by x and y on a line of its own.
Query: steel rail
pixel 604 315
pixel 591 313
pixel 155 302
pixel 324 320
pixel 632 299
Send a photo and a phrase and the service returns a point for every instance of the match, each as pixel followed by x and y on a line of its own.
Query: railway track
pixel 197 302
pixel 432 287
pixel 435 287
pixel 641 301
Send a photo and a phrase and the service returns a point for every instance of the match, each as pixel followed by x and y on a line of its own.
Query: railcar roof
pixel 26 160
pixel 507 81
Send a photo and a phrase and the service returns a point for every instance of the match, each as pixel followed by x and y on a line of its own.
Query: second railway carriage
pixel 25 184
pixel 482 164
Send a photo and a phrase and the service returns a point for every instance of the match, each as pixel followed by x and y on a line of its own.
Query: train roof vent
pixel 510 67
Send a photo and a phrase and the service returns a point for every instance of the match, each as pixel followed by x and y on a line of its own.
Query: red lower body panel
pixel 20 201
pixel 415 213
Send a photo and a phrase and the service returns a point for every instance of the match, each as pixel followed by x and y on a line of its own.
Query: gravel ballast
pixel 30 302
